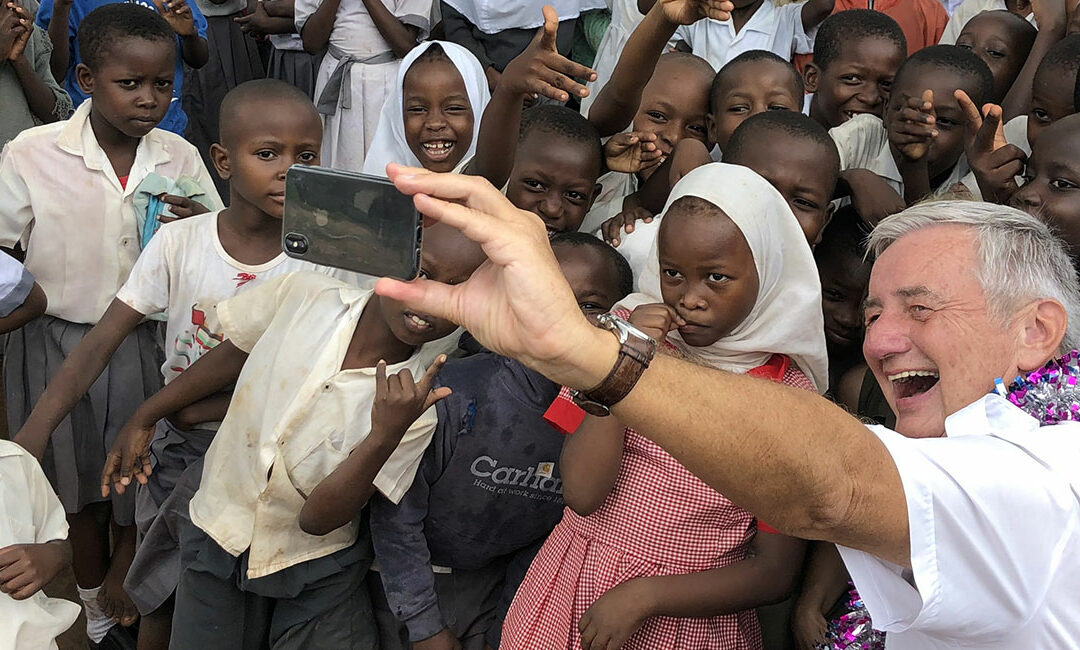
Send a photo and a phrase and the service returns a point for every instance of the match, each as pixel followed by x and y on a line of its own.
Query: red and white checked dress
pixel 658 520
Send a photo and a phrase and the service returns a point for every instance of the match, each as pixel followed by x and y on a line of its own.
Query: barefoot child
pixel 29 95
pixel 364 41
pixel 739 293
pixel 186 269
pixel 446 577
pixel 81 248
pixel 431 116
pixel 310 356
pixel 856 56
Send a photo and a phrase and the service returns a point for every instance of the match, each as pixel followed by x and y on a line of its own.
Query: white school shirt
pixel 968 10
pixel 494 16
pixel 776 29
pixel 863 143
pixel 354 31
pixel 184 272
pixel 60 197
pixel 30 513
pixel 994 515
pixel 1015 131
pixel 294 417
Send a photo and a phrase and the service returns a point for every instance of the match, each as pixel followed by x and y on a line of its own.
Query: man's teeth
pixel 419 322
pixel 900 376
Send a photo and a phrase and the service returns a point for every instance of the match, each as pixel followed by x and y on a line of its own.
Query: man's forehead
pixel 931 261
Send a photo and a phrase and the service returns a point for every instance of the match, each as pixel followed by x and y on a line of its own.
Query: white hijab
pixel 389 145
pixel 786 318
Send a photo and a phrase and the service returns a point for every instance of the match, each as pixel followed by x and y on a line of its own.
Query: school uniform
pixel 968 10
pixel 31 514
pixel 453 551
pixel 61 200
pixel 175 119
pixel 778 29
pixel 625 17
pixel 15 113
pixel 294 417
pixel 357 75
pixel 1015 131
pixel 184 272
pixel 289 62
pixel 863 143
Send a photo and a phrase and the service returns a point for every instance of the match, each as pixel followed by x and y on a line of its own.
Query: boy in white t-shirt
pixel 187 267
pixel 754 25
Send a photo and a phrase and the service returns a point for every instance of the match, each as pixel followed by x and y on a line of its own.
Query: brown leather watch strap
pixel 634 357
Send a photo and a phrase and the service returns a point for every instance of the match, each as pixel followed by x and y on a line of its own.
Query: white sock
pixel 97 623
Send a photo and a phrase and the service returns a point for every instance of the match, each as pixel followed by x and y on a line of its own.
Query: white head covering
pixel 389 143
pixel 786 317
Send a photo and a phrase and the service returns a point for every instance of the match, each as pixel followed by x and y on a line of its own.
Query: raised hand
pixel 632 152
pixel 178 14
pixel 399 401
pixel 994 161
pixel 256 23
pixel 656 320
pixel 22 33
pixel 613 228
pixel 913 128
pixel 11 32
pixel 687 12
pixel 541 70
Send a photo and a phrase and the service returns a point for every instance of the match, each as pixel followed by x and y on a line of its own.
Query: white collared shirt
pixel 994 514
pixel 494 16
pixel 30 513
pixel 776 29
pixel 863 143
pixel 968 10
pixel 60 197
pixel 294 417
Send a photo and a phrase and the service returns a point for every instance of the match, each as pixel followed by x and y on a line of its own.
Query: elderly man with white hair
pixel 961 529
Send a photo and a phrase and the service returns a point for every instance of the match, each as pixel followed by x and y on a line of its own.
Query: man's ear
pixel 219 155
pixel 1043 325
pixel 811 75
pixel 84 77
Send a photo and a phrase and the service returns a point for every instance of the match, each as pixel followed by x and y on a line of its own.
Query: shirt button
pixel 327 387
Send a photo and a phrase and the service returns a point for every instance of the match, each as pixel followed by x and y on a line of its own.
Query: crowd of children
pixel 232 448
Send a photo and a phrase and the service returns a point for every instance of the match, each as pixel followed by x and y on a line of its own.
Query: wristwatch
pixel 636 351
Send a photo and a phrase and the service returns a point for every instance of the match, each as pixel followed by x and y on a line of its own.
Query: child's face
pixel 438 115
pixel 674 104
pixel 751 88
pixel 1051 99
pixel 707 272
pixel 793 166
pixel 844 278
pixel 591 276
pixel 555 179
pixel 857 81
pixel 947 147
pixel 448 257
pixel 1051 190
pixel 263 146
pixel 132 92
pixel 992 38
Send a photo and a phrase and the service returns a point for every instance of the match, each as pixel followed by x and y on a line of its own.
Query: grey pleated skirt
pixel 294 67
pixel 76 454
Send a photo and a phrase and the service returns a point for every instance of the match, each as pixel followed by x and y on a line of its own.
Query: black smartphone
pixel 351 221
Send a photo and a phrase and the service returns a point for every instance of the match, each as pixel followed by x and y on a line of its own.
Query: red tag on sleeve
pixel 564 415
pixel 766 528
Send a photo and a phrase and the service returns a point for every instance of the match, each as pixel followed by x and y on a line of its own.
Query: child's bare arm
pixel 400 36
pixel 539 70
pixel 26 568
pixel 193 48
pixel 16 29
pixel 815 11
pixel 912 129
pixel 60 33
pixel 79 371
pixel 281 9
pixel 768 576
pixel 260 21
pixel 210 409
pixel 825 581
pixel 1050 15
pixel 590 461
pixel 129 457
pixel 35 305
pixel 339 497
pixel 316 30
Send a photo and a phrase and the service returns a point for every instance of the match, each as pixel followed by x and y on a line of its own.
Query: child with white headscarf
pixel 432 117
pixel 647 555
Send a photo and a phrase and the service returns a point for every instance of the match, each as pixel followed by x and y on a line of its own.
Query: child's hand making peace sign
pixel 178 14
pixel 399 401
pixel 994 161
pixel 541 70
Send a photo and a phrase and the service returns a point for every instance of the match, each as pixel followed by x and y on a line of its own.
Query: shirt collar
pixel 764 20
pixel 990 415
pixel 77 138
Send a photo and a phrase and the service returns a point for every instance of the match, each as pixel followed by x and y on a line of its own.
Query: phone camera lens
pixel 296 244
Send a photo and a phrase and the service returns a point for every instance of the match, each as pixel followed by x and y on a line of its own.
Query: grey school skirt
pixel 76 453
pixel 294 67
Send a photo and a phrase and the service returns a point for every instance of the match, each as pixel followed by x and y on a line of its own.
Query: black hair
pixel 1064 53
pixel 846 27
pixel 754 56
pixel 846 233
pixel 1022 26
pixel 959 60
pixel 247 99
pixel 797 125
pixel 565 123
pixel 105 27
pixel 433 51
pixel 623 274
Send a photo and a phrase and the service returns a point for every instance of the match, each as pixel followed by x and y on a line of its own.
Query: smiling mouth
pixel 911 383
pixel 416 323
pixel 437 150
